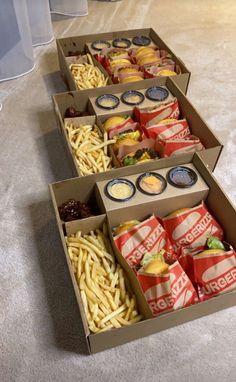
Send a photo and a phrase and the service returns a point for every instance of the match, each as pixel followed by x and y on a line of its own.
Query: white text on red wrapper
pixel 148 245
pixel 166 302
pixel 221 283
pixel 195 232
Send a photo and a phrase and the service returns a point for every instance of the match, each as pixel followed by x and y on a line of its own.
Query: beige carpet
pixel 40 323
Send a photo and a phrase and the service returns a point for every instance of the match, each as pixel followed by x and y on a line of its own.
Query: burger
pixel 131 79
pixel 139 156
pixel 168 73
pixel 208 252
pixel 178 212
pixel 154 263
pixel 125 227
pixel 126 138
pixel 113 121
pixel 148 59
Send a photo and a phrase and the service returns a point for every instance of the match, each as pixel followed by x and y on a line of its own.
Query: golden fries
pixel 89 148
pixel 88 76
pixel 107 303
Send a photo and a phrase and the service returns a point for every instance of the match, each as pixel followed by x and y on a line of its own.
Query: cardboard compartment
pixel 69 45
pixel 198 127
pixel 176 197
pixel 82 60
pixel 218 205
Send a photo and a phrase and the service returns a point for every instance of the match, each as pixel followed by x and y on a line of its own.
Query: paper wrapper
pixel 191 228
pixel 174 147
pixel 171 291
pixel 174 130
pixel 148 236
pixel 155 115
pixel 215 274
pixel 128 149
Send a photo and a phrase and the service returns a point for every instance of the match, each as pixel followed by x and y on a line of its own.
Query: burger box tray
pixel 85 188
pixel 84 100
pixel 83 43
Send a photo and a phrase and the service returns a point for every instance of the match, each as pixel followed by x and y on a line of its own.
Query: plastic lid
pixel 151 183
pixel 121 43
pixel 132 97
pixel 100 44
pixel 141 40
pixel 157 93
pixel 182 177
pixel 107 101
pixel 120 190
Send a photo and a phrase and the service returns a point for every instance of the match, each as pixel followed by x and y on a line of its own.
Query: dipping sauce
pixel 141 40
pixel 132 97
pixel 157 93
pixel 100 44
pixel 182 177
pixel 107 101
pixel 120 190
pixel 121 43
pixel 151 183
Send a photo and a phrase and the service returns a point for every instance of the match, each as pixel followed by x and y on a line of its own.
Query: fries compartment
pixel 76 44
pixel 88 291
pixel 96 155
pixel 88 78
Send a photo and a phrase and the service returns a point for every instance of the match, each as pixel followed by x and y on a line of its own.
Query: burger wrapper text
pixel 151 117
pixel 174 130
pixel 148 236
pixel 191 228
pixel 171 291
pixel 173 147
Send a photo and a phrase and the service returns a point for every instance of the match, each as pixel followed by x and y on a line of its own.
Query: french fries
pixel 89 147
pixel 88 76
pixel 107 303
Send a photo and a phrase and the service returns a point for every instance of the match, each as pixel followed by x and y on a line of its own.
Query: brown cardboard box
pixel 217 203
pixel 86 101
pixel 83 43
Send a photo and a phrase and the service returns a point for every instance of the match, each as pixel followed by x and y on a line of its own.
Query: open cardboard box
pixel 69 45
pixel 86 101
pixel 217 203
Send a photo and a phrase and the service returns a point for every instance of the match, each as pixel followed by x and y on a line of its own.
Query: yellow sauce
pixel 107 102
pixel 121 191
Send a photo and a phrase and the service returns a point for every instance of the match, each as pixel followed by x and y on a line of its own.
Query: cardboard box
pixel 217 203
pixel 70 45
pixel 85 101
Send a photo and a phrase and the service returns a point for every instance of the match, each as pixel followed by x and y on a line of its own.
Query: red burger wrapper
pixel 191 228
pixel 167 292
pixel 148 236
pixel 173 147
pixel 215 273
pixel 153 70
pixel 173 130
pixel 154 115
pixel 128 121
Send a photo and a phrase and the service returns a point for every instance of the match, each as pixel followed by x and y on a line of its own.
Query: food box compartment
pixel 221 208
pixel 69 45
pixel 85 100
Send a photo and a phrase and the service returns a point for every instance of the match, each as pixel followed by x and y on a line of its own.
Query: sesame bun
pixel 131 79
pixel 157 267
pixel 113 121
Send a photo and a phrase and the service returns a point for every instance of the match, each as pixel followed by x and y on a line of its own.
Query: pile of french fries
pixel 89 146
pixel 106 300
pixel 88 76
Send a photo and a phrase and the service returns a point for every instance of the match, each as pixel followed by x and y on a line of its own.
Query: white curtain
pixel 27 23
